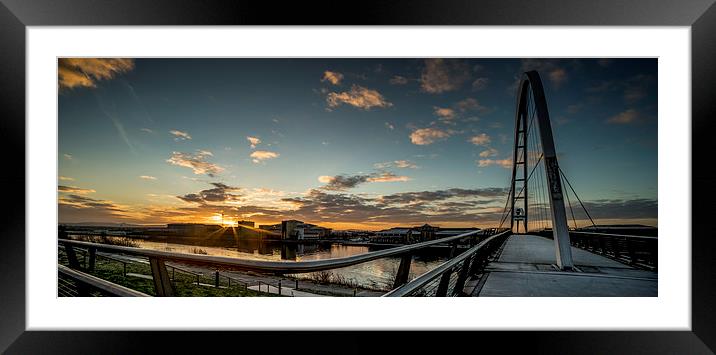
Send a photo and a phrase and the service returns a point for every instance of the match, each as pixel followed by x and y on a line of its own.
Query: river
pixel 377 274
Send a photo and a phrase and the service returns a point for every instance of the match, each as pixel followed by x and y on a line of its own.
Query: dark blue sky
pixel 344 142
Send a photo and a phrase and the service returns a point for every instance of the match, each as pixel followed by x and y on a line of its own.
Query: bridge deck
pixel 527 267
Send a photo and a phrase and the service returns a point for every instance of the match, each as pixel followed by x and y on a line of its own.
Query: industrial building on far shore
pixel 288 230
pixel 297 230
pixel 426 232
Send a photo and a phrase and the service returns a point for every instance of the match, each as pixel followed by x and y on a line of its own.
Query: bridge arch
pixel 532 109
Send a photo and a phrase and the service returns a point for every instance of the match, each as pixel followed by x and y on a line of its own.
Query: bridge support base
pixel 403 271
pixel 162 282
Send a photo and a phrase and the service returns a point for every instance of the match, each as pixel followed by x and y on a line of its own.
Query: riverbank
pixel 301 284
pixel 368 279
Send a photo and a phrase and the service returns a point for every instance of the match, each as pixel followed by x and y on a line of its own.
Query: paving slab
pixel 526 268
pixel 285 291
pixel 539 250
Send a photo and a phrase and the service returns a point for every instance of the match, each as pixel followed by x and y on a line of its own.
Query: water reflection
pixel 377 274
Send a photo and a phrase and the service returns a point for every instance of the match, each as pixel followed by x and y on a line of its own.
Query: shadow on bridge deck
pixel 526 267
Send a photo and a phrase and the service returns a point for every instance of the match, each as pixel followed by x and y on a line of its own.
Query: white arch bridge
pixel 532 252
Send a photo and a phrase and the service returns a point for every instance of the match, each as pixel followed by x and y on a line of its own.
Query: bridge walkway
pixel 526 267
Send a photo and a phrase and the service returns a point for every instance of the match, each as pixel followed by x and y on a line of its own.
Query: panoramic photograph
pixel 357 177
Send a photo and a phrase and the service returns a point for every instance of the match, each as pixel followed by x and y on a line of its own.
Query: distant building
pixel 352 234
pixel 271 227
pixel 297 230
pixel 426 232
pixel 393 235
pixel 422 233
pixel 245 223
pixel 310 231
pixel 192 229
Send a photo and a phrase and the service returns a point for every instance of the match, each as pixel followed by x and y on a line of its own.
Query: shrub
pixel 199 251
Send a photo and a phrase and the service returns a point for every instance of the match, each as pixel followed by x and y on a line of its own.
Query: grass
pixel 327 277
pixel 184 283
pixel 322 277
pixel 111 240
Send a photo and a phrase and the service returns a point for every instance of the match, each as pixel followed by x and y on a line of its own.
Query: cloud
pixel 481 139
pixel 612 210
pixel 147 177
pixel 444 114
pixel 425 136
pixel 636 88
pixel 345 182
pixel 74 190
pixel 490 152
pixel 147 130
pixel 388 177
pixel 625 117
pixel 179 135
pixel 505 163
pixel 253 141
pixel 359 97
pixel 621 209
pixel 442 75
pixel 76 208
pixel 389 126
pixel 480 83
pixel 332 77
pixel 439 195
pixel 552 70
pixel 325 179
pixel 261 155
pixel 67 156
pixel 220 193
pixel 85 72
pixel 403 164
pixel 342 182
pixel 470 104
pixel 634 94
pixel 318 205
pixel 398 80
pixel 557 76
pixel 197 162
pixel 66 178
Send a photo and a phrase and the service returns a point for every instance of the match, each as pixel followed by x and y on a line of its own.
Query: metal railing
pixel 449 278
pixel 640 251
pixel 214 279
pixel 163 282
pixel 634 250
pixel 76 283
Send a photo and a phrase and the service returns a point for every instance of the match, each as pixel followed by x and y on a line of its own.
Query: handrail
pixel 103 285
pixel 616 235
pixel 433 274
pixel 280 267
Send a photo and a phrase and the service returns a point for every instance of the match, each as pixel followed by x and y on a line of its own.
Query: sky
pixel 364 143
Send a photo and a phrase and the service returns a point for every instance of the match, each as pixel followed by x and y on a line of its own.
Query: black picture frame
pixel 16 15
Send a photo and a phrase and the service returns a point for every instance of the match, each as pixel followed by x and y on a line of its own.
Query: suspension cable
pixel 577 196
pixel 530 176
pixel 504 211
pixel 570 207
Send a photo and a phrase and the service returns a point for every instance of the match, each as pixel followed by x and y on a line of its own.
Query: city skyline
pixel 343 143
